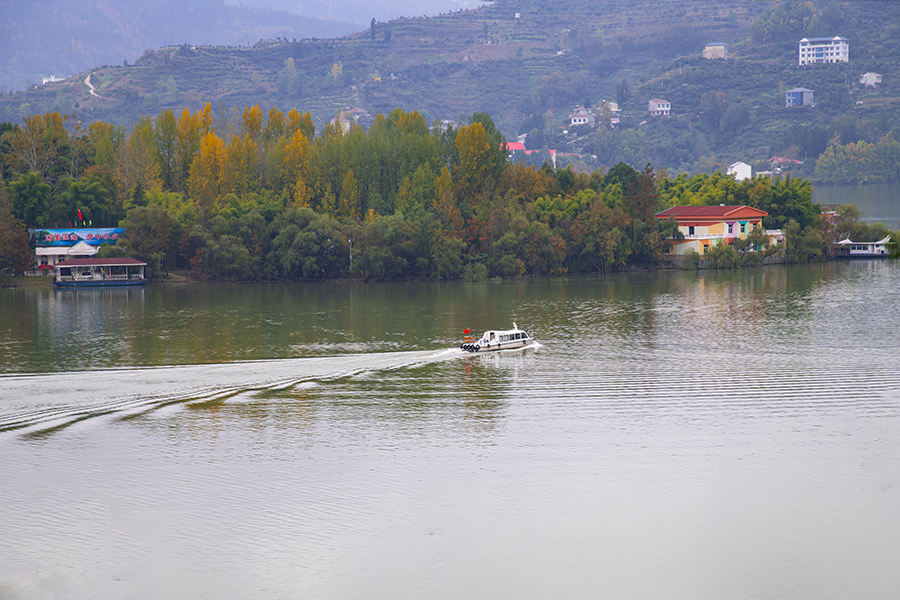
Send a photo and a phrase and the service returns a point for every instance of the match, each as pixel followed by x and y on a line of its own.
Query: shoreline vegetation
pixel 259 197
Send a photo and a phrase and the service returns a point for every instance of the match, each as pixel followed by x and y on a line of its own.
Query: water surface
pixel 674 435
pixel 878 202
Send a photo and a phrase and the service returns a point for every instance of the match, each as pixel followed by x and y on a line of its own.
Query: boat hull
pixel 497 346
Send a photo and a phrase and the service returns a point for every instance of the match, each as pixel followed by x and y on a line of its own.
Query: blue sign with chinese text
pixel 70 237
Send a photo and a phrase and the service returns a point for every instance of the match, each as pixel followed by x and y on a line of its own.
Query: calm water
pixel 675 436
pixel 879 203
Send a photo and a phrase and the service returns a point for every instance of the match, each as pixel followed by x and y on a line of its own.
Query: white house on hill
pixel 740 170
pixel 659 107
pixel 582 116
pixel 715 50
pixel 870 79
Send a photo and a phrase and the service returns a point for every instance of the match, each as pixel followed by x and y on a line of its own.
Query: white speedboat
pixel 495 339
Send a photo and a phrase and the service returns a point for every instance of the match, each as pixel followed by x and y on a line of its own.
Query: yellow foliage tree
pixel 135 165
pixel 350 197
pixel 473 148
pixel 206 174
pixel 302 195
pixel 252 122
pixel 240 168
pixel 296 158
pixel 303 122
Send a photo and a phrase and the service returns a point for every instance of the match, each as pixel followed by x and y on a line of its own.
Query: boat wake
pixel 41 402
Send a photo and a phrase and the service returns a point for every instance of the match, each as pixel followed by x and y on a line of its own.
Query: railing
pixel 712 236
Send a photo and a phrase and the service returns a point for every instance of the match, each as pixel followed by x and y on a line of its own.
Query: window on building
pixel 691 230
pixel 743 227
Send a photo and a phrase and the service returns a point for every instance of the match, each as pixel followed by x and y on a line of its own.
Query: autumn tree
pixel 205 183
pixel 105 138
pixel 15 252
pixel 136 168
pixel 38 146
pixel 189 131
pixel 349 198
pixel 473 162
pixel 295 120
pixel 239 168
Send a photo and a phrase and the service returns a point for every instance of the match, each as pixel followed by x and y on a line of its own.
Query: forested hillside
pixel 530 64
pixel 51 38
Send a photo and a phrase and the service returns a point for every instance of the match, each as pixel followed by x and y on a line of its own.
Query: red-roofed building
pixel 518 148
pixel 705 226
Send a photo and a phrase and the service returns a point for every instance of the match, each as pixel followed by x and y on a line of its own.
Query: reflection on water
pixel 674 435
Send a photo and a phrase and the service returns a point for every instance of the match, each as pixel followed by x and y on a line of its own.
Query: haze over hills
pixel 62 37
pixel 529 64
pixel 360 13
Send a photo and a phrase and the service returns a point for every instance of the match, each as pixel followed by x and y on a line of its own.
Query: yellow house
pixel 706 226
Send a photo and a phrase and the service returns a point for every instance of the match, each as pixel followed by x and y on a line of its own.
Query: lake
pixel 878 202
pixel 674 435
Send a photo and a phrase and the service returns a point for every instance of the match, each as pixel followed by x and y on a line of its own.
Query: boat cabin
pixel 504 336
pixel 497 340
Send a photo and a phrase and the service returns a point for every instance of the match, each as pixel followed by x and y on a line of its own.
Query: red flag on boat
pixel 467 330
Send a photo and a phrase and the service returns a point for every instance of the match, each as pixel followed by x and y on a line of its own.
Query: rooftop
pixel 709 211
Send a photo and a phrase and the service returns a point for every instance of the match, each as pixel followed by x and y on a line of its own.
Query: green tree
pixel 91 197
pixel 151 235
pixel 723 256
pixel 30 199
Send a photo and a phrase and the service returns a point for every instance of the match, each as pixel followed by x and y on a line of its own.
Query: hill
pixel 44 39
pixel 528 64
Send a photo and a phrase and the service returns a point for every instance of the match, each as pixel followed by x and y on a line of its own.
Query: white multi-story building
pixel 659 107
pixel 824 50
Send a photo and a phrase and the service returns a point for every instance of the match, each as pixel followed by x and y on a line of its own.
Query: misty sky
pixel 361 11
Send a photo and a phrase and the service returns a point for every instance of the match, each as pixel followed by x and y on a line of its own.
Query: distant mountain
pixel 47 38
pixel 528 65
pixel 360 12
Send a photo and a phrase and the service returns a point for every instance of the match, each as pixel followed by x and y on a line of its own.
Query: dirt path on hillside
pixel 87 82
